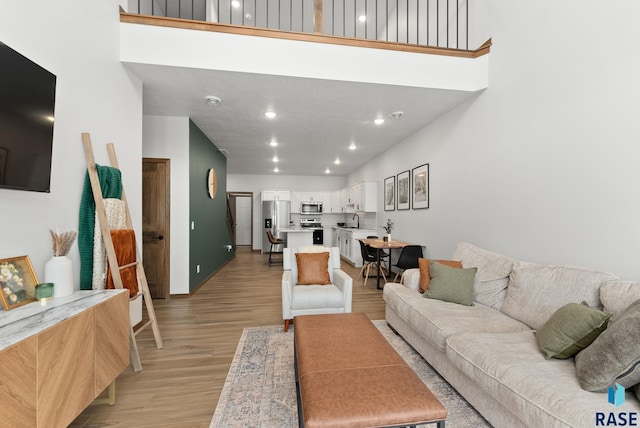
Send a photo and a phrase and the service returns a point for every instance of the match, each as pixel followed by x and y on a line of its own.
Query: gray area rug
pixel 260 389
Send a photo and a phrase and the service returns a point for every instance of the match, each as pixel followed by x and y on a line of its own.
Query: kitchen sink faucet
pixel 354 217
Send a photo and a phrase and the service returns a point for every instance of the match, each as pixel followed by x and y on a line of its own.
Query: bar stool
pixel 274 241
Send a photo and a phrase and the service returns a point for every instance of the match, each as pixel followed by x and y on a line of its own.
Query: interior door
pixel 155 225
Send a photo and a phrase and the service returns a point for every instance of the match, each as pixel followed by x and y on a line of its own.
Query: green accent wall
pixel 208 241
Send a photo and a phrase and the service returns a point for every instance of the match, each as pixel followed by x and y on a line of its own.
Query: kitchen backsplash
pixel 367 220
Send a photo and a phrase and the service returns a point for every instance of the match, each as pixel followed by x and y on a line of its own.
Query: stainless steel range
pixel 316 225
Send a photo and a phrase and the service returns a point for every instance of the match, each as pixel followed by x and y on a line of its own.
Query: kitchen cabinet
pixel 310 196
pixel 276 195
pixel 336 207
pixel 328 236
pixel 326 202
pixel 350 246
pixel 295 202
pixel 365 196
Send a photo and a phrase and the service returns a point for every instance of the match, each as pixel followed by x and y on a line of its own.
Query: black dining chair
pixel 408 259
pixel 369 259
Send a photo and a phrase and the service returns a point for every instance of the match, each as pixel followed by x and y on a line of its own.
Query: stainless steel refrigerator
pixel 276 215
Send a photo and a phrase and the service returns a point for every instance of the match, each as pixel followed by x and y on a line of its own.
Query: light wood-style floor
pixel 180 384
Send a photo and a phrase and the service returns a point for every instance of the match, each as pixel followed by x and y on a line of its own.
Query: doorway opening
pixel 240 218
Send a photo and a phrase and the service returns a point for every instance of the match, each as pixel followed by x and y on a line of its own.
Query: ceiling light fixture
pixel 327 171
pixel 212 100
pixel 362 18
pixel 352 146
pixel 270 114
pixel 235 4
pixel 275 159
pixel 379 121
pixel 276 169
pixel 337 161
pixel 396 114
pixel 248 16
pixel 273 143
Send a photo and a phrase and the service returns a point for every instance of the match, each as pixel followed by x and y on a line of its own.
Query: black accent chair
pixel 369 259
pixel 274 241
pixel 408 259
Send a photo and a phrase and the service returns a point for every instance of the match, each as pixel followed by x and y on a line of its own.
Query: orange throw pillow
pixel 313 268
pixel 425 274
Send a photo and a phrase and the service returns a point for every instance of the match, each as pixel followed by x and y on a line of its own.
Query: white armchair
pixel 313 299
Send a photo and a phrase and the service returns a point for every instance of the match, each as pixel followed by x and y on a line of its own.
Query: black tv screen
pixel 27 100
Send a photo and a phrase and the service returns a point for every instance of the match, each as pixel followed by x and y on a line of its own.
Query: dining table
pixel 380 244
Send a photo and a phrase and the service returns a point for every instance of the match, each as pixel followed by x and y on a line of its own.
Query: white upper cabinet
pixel 276 195
pixel 295 202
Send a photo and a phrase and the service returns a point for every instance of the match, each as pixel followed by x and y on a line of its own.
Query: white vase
pixel 388 237
pixel 59 271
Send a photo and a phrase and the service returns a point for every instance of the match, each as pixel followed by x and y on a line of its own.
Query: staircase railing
pixel 437 23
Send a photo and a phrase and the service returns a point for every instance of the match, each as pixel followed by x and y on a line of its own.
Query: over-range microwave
pixel 311 208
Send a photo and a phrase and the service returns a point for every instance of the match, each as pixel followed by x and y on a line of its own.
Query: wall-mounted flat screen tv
pixel 27 100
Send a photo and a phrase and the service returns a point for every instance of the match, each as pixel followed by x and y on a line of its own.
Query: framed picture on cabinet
pixel 420 186
pixel 390 193
pixel 17 282
pixel 403 190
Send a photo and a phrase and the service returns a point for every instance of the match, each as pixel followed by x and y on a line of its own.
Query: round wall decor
pixel 212 183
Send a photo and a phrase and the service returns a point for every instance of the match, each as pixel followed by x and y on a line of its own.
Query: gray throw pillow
pixel 614 357
pixel 451 284
pixel 571 329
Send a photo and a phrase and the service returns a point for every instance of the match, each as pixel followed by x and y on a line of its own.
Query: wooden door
pixel 155 225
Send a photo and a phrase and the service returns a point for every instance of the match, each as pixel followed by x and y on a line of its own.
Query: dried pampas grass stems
pixel 62 242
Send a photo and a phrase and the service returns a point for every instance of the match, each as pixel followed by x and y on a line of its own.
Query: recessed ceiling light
pixel 337 161
pixel 276 169
pixel 248 16
pixel 379 121
pixel 352 146
pixel 327 171
pixel 270 114
pixel 273 143
pixel 362 18
pixel 235 3
pixel 212 100
pixel 396 114
pixel 275 159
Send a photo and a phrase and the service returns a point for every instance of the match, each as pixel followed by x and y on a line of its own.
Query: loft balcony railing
pixel 430 23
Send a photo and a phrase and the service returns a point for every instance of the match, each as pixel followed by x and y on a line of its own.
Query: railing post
pixel 317 16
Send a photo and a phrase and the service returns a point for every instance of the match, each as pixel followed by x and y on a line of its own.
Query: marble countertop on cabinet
pixel 33 318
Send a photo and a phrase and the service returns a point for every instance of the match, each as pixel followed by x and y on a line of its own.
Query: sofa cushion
pixel 614 357
pixel 313 268
pixel 571 329
pixel 425 271
pixel 492 277
pixel 436 320
pixel 616 296
pixel 536 291
pixel 543 393
pixel 451 284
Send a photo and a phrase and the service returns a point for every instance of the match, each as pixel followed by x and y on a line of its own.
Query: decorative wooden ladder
pixel 111 254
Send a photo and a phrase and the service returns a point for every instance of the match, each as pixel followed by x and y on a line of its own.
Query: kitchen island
pixel 298 237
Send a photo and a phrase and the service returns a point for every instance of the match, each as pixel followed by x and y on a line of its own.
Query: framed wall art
pixel 403 190
pixel 390 193
pixel 17 282
pixel 420 186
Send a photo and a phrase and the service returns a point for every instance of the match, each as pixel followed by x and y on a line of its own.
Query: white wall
pixel 258 183
pixel 168 137
pixel 542 166
pixel 78 41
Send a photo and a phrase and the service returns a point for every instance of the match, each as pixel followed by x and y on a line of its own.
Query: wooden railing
pixel 427 23
pixel 288 35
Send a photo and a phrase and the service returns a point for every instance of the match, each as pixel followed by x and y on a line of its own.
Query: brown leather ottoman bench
pixel 348 375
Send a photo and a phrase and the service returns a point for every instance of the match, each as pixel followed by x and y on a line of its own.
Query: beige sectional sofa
pixel 488 351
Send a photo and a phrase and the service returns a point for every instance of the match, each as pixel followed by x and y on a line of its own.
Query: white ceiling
pixel 316 122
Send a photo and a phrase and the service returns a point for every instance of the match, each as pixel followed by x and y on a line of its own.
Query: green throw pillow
pixel 571 329
pixel 451 284
pixel 614 357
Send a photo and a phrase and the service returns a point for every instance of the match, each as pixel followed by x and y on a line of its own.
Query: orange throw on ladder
pixel 124 244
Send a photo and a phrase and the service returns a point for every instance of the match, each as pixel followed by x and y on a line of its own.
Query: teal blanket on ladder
pixel 111 184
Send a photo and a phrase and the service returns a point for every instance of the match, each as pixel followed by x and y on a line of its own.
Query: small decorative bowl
pixel 44 290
